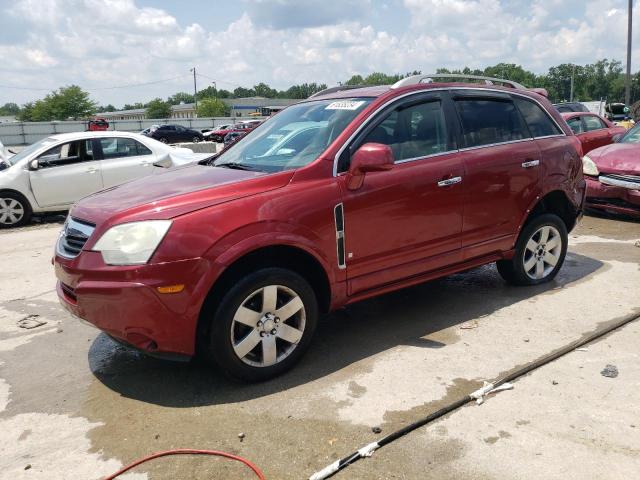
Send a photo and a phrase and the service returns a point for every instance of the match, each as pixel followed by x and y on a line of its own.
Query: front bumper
pixel 612 198
pixel 125 303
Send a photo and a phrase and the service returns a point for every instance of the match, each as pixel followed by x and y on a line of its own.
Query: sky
pixel 111 47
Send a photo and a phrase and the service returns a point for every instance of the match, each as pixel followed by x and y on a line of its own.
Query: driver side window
pixel 413 132
pixel 67 154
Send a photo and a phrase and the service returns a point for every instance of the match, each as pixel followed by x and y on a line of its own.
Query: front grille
pixel 625 181
pixel 73 237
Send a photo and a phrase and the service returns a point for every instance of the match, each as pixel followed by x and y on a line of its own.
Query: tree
pixel 135 106
pixel 106 108
pixel 10 108
pixel 355 80
pixel 242 92
pixel 63 104
pixel 26 113
pixel 157 108
pixel 180 97
pixel 211 107
pixel 264 90
pixel 304 90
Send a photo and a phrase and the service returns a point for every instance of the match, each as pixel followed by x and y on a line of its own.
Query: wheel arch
pixel 556 202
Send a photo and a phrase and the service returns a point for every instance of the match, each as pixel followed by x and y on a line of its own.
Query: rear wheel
pixel 14 210
pixel 196 139
pixel 163 140
pixel 263 325
pixel 540 252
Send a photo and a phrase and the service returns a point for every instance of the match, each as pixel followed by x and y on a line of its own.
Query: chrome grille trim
pixel 632 182
pixel 73 237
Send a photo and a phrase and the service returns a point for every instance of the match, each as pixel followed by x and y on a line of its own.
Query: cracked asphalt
pixel 73 404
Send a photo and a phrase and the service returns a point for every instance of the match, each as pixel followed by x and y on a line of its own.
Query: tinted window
pixel 576 125
pixel 539 123
pixel 122 147
pixel 67 153
pixel 592 123
pixel 412 132
pixel 489 121
pixel 632 136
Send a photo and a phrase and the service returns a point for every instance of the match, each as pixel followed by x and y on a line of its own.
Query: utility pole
pixel 195 89
pixel 627 80
pixel 215 90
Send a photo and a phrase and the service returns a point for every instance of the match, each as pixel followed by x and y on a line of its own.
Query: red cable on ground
pixel 186 451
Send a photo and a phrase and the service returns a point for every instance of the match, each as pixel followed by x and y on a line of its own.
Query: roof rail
pixel 336 89
pixel 415 79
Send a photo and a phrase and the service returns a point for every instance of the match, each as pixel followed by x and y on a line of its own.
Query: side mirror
pixel 34 164
pixel 370 157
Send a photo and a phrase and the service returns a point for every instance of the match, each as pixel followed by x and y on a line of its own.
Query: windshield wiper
pixel 233 165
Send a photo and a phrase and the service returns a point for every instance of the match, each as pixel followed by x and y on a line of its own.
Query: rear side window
pixel 413 132
pixel 592 123
pixel 122 147
pixel 489 121
pixel 576 125
pixel 538 121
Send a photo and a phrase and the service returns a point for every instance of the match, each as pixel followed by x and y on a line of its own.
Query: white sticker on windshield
pixel 345 105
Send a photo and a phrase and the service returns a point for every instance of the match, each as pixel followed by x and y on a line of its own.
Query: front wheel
pixel 540 252
pixel 196 139
pixel 15 210
pixel 263 325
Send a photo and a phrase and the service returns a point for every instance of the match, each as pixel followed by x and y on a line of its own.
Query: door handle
pixel 91 170
pixel 449 181
pixel 530 163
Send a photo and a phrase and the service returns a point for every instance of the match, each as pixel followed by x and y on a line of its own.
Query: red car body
pixel 616 188
pixel 98 125
pixel 400 228
pixel 592 130
pixel 218 135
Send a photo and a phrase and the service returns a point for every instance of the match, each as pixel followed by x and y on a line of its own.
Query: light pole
pixel 627 80
pixel 215 90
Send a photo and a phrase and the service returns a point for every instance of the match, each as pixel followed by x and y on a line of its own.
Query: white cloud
pixel 104 43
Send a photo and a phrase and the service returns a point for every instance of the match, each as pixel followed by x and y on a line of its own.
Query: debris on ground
pixel 241 436
pixel 553 382
pixel 525 340
pixel 583 349
pixel 610 371
pixel 376 429
pixel 469 325
pixel 332 441
pixel 637 244
pixel 30 321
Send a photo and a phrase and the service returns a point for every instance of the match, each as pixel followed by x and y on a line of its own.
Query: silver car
pixel 52 174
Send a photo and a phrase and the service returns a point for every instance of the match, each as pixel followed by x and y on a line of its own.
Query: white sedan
pixel 52 174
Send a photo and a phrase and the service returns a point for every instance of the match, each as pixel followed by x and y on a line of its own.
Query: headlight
pixel 131 243
pixel 589 167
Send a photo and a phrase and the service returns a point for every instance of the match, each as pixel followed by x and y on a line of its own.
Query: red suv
pixel 349 194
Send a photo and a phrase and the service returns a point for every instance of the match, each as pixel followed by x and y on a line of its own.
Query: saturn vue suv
pixel 235 258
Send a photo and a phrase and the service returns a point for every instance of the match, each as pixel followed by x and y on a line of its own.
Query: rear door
pixel 407 220
pixel 596 131
pixel 123 159
pixel 66 173
pixel 502 170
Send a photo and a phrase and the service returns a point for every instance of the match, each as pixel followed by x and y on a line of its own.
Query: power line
pixel 219 81
pixel 131 85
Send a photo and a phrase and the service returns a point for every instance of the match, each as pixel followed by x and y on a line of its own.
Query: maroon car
pixel 236 257
pixel 592 130
pixel 613 175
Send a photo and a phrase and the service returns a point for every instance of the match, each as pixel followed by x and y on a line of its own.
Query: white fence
pixel 26 133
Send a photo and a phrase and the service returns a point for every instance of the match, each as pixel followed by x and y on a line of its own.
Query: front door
pixel 596 133
pixel 123 159
pixel 405 221
pixel 65 174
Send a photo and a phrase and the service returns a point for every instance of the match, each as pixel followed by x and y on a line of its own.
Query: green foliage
pixel 158 108
pixel 302 91
pixel 211 107
pixel 10 109
pixel 66 103
pixel 180 97
pixel 135 106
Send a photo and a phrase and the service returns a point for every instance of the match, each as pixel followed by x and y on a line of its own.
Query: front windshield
pixel 632 136
pixel 294 137
pixel 25 152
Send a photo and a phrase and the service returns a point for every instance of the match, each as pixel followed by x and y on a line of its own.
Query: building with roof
pixel 238 107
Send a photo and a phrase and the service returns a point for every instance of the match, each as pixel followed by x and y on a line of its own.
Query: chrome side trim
pixel 413 159
pixel 443 89
pixel 338 216
pixel 614 182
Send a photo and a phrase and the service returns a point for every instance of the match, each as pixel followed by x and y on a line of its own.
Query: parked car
pixel 592 130
pixel 567 107
pixel 214 134
pixel 150 130
pixel 97 125
pixel 220 134
pixel 236 257
pixel 50 175
pixel 4 154
pixel 176 134
pixel 613 175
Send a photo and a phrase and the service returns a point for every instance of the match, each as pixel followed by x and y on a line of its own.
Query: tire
pixel 540 252
pixel 15 210
pixel 196 139
pixel 163 140
pixel 244 349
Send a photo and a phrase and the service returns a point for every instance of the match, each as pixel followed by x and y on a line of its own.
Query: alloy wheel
pixel 268 325
pixel 542 252
pixel 11 211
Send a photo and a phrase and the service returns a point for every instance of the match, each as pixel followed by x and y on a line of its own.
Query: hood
pixel 620 158
pixel 175 192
